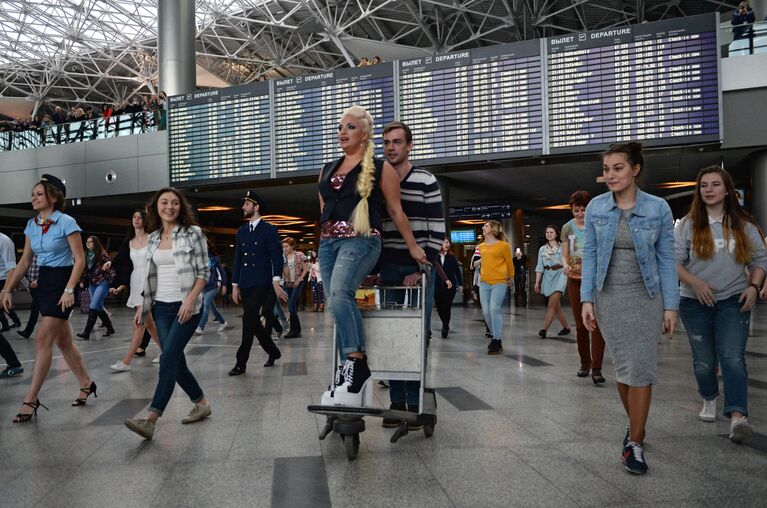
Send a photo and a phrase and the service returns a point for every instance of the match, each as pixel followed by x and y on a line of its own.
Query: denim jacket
pixel 652 229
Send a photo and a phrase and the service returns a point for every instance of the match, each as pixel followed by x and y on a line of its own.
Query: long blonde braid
pixel 360 218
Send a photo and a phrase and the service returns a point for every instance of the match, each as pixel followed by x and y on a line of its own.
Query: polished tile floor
pixel 519 429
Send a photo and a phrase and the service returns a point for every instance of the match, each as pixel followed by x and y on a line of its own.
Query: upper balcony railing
pixel 85 130
pixel 745 39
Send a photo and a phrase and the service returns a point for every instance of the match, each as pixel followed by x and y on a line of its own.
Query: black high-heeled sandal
pixel 80 401
pixel 22 417
pixel 596 377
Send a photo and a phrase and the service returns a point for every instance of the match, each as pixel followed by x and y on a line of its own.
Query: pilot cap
pixel 253 198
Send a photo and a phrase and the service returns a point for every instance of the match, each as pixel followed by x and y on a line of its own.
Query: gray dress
pixel 631 322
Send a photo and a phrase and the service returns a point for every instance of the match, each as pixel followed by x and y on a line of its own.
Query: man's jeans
pixel 173 339
pixel 208 305
pixel 492 296
pixel 719 334
pixel 344 264
pixel 407 392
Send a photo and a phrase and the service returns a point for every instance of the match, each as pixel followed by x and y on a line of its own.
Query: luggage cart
pixel 396 342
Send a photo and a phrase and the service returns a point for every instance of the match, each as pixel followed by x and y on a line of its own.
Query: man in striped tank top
pixel 422 203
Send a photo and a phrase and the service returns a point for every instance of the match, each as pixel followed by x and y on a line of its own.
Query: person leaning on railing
pixel 743 15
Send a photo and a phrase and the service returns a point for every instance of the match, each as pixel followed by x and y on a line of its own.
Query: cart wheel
pixel 428 429
pixel 352 446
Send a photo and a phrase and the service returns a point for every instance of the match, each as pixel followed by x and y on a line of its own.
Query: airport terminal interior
pixel 512 105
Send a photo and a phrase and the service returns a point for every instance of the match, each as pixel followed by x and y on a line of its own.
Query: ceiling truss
pixel 74 52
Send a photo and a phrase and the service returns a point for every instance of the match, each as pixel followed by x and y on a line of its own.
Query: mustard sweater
pixel 496 262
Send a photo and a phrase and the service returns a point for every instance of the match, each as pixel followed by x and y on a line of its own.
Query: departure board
pixel 307 110
pixel 217 134
pixel 655 82
pixel 475 104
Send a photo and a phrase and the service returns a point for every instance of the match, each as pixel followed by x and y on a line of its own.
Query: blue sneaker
pixel 633 458
pixel 11 372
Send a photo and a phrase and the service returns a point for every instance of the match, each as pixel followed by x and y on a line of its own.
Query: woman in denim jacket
pixel 629 285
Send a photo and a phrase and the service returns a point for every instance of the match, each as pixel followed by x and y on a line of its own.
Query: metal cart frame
pixel 397 341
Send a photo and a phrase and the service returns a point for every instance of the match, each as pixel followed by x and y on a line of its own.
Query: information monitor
pixel 476 104
pixel 656 82
pixel 220 134
pixel 307 110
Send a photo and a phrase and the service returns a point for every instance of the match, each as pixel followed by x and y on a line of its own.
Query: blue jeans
pixel 278 309
pixel 719 334
pixel 491 297
pixel 344 264
pixel 173 339
pixel 98 294
pixel 209 304
pixel 294 294
pixel 407 392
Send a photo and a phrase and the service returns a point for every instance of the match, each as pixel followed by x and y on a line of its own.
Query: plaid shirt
pixel 34 269
pixel 190 252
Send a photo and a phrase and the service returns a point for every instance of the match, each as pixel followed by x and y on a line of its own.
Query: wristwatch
pixel 69 291
pixel 755 286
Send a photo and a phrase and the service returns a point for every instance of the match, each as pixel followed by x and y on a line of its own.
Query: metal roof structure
pixel 68 52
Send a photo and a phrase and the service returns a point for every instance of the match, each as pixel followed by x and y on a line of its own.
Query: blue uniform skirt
pixel 51 283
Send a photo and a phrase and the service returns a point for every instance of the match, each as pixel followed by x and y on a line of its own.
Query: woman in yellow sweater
pixel 496 273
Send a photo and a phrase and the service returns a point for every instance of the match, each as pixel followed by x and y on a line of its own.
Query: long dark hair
pixel 733 222
pixel 186 218
pixel 98 249
pixel 131 230
pixel 556 234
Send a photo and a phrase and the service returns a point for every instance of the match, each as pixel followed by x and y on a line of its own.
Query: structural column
pixel 176 46
pixel 444 189
pixel 759 186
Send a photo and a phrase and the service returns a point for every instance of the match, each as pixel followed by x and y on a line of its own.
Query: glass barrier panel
pixel 83 130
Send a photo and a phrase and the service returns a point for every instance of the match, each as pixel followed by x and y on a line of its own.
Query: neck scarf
pixel 45 224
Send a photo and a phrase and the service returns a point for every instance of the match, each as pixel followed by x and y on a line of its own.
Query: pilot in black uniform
pixel 256 277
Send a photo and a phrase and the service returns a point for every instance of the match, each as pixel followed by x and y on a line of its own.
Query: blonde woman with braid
pixel 355 191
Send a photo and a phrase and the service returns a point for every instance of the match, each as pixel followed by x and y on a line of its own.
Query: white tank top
pixel 168 285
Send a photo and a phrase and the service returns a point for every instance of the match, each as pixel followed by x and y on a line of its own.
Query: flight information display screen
pixel 307 110
pixel 217 134
pixel 474 105
pixel 655 82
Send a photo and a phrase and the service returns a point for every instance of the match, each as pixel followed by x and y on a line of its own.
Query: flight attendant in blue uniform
pixel 256 280
pixel 55 238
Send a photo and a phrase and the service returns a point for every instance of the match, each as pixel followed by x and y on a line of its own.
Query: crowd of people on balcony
pixel 44 123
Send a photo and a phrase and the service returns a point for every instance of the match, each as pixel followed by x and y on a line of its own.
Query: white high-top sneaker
pixel 356 390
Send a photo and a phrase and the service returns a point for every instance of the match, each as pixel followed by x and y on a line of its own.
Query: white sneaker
pixel 199 331
pixel 740 429
pixel 156 359
pixel 119 366
pixel 708 413
pixel 198 412
pixel 222 327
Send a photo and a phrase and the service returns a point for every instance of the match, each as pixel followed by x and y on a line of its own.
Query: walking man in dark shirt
pixel 256 274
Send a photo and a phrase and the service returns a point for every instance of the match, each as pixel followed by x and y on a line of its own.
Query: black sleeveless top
pixel 340 204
